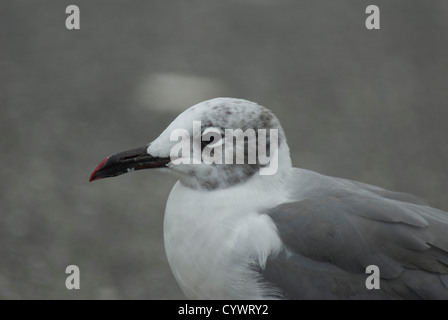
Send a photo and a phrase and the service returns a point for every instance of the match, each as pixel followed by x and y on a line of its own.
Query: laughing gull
pixel 232 233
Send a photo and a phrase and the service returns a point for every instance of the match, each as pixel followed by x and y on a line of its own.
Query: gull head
pixel 214 144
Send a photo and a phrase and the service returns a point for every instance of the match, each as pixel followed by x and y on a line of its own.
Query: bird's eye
pixel 211 135
pixel 205 143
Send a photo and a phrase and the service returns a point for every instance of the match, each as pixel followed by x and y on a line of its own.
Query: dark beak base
pixel 127 161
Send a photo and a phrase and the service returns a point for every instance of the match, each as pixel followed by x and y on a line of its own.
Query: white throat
pixel 212 247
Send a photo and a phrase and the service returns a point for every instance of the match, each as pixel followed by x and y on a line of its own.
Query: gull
pixel 233 233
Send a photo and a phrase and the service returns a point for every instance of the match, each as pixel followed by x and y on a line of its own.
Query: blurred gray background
pixel 360 104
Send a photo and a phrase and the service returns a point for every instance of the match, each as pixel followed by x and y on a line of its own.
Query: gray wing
pixel 330 238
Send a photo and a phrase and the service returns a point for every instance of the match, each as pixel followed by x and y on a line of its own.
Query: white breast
pixel 213 238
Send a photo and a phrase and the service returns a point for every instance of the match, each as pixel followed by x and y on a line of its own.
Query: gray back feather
pixel 338 227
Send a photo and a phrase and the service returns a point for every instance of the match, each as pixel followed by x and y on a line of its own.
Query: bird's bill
pixel 127 161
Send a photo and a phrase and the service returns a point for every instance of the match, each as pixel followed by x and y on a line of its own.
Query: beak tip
pixel 92 178
pixel 95 171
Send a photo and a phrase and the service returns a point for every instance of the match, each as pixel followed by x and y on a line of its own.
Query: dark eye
pixel 204 143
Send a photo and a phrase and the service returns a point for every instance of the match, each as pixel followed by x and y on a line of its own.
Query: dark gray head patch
pixel 236 114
